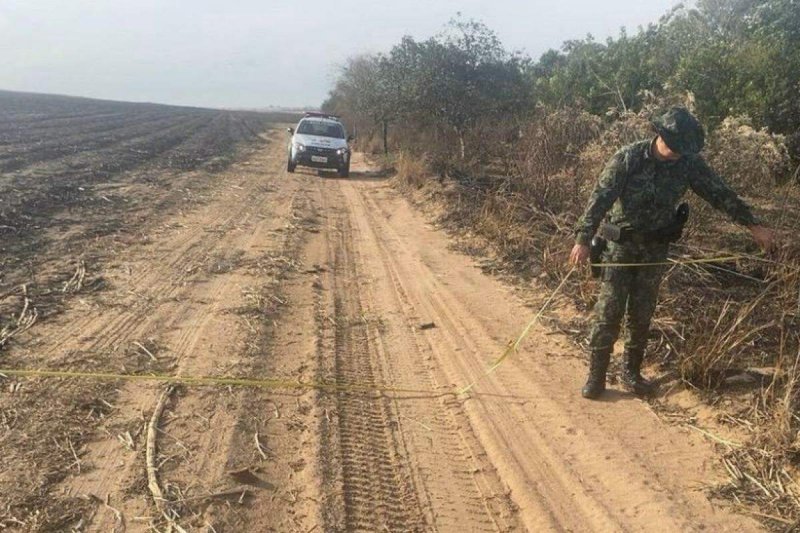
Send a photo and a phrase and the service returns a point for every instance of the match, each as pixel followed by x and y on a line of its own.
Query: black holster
pixel 674 231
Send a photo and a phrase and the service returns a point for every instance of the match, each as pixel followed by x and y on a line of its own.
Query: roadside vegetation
pixel 509 147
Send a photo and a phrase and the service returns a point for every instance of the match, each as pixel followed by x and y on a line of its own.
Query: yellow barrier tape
pixel 674 262
pixel 514 345
pixel 752 257
pixel 265 383
pixel 288 384
pixel 277 383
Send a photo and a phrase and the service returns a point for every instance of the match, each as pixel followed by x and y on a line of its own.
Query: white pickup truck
pixel 320 141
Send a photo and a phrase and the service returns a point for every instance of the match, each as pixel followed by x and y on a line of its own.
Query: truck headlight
pixel 341 151
pixel 299 147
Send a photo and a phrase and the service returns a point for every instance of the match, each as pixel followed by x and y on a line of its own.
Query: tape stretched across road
pixel 289 384
pixel 286 384
pixel 262 383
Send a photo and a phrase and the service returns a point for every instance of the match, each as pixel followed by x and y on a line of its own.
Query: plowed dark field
pixel 64 160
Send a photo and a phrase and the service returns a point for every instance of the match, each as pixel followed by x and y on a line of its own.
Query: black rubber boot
pixel 632 378
pixel 596 384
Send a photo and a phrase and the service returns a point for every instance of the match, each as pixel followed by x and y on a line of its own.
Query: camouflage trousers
pixel 630 293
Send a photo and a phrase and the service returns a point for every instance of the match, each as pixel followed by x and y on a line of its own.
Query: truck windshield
pixel 323 129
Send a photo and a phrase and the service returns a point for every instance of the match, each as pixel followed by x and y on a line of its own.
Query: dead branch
pixel 728 443
pixel 26 319
pixel 150 453
pixel 145 350
pixel 77 462
pixel 117 513
pixel 259 447
pixel 237 491
pixel 75 283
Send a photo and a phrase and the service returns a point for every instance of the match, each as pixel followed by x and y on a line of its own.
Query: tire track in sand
pixel 371 487
pixel 410 447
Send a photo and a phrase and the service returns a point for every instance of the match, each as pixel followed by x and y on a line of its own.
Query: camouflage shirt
pixel 637 190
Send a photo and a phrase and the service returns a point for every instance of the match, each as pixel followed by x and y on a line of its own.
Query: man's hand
pixel 763 236
pixel 579 254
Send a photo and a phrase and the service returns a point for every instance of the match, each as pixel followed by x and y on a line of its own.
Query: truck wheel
pixel 344 172
pixel 290 166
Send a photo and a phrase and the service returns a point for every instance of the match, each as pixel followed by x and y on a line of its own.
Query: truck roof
pixel 326 116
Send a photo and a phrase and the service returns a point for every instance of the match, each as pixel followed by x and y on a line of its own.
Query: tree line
pixel 734 57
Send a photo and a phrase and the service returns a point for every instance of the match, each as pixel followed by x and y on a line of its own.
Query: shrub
pixel 752 160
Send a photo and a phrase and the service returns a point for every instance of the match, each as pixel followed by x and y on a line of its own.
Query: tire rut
pixel 377 487
pixel 457 478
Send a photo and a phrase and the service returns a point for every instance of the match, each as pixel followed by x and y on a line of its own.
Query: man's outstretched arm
pixel 713 189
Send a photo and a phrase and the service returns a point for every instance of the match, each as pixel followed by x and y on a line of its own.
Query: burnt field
pixel 73 170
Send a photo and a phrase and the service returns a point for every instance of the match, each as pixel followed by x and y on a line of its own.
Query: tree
pixel 365 91
pixel 461 77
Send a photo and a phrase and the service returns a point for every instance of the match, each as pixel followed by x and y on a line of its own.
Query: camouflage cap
pixel 682 132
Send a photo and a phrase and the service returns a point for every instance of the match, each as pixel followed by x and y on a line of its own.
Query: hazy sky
pixel 255 53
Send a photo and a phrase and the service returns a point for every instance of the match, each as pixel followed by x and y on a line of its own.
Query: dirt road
pixel 319 279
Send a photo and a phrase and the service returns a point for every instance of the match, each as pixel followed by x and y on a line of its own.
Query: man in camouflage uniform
pixel 637 194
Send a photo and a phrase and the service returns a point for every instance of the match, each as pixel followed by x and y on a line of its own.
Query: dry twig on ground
pixel 152 450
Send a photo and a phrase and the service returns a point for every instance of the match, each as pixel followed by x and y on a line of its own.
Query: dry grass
pixel 753 161
pixel 414 171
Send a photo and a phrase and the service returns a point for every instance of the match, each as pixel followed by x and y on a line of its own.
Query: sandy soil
pixel 313 278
